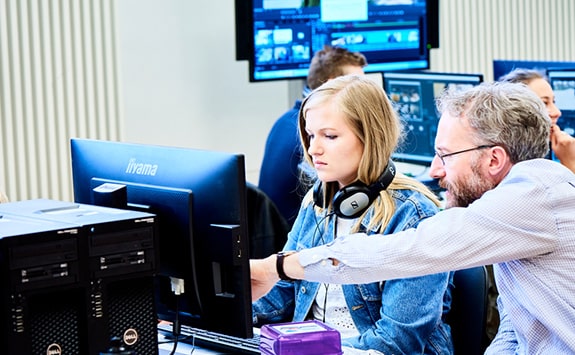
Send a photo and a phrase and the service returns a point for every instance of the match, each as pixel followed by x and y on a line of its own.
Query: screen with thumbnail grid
pixel 413 95
pixel 391 34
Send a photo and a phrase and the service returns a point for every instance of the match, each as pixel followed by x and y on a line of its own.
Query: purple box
pixel 301 338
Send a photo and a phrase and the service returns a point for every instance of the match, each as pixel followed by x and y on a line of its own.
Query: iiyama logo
pixel 137 168
pixel 54 349
pixel 130 336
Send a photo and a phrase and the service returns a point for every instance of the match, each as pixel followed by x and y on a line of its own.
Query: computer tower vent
pixel 131 313
pixel 53 322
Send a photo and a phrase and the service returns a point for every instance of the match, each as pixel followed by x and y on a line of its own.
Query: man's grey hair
pixel 506 114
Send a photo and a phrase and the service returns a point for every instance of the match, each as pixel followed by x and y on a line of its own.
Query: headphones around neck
pixel 352 200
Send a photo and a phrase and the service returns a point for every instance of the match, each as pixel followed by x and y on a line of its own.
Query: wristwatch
pixel 280 265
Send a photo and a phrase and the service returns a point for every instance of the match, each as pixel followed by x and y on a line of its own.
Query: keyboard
pixel 213 340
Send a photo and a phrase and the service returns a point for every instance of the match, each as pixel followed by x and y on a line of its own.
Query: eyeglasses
pixel 443 156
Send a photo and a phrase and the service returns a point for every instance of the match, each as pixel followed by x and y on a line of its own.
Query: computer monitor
pixel 199 198
pixel 502 67
pixel 563 83
pixel 286 34
pixel 413 95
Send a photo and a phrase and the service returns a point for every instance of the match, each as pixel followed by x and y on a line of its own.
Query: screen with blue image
pixel 392 35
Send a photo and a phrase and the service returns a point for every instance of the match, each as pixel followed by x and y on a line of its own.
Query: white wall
pixel 181 84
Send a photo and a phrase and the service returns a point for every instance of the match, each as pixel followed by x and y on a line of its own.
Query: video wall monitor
pixel 502 67
pixel 413 95
pixel 563 84
pixel 199 198
pixel 392 35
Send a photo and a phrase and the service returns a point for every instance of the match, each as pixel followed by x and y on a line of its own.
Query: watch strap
pixel 280 265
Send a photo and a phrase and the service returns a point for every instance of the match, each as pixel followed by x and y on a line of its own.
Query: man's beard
pixel 468 189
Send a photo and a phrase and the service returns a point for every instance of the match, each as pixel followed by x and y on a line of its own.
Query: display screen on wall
pixel 393 35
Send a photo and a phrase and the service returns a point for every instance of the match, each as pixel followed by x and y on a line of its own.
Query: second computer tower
pixel 104 290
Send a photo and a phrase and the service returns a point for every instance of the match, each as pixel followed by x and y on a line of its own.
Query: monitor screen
pixel 502 67
pixel 199 198
pixel 413 95
pixel 563 84
pixel 392 35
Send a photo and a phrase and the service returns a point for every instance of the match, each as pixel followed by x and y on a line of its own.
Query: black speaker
pixel 244 29
pixel 432 24
pixel 123 309
pixel 352 200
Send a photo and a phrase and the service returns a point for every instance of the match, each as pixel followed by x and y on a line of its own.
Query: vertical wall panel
pixel 58 80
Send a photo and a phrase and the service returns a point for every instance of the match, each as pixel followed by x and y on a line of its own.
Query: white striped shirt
pixel 526 225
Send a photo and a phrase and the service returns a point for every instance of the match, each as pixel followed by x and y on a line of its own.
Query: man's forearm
pixel 292 267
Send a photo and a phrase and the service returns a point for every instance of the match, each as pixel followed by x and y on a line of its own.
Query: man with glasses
pixel 505 205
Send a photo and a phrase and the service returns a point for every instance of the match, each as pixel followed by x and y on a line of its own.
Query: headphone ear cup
pixel 352 200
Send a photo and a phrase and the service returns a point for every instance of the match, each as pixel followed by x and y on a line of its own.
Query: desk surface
pixel 183 348
pixel 203 343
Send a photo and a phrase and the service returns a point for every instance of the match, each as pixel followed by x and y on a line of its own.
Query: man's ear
pixel 499 162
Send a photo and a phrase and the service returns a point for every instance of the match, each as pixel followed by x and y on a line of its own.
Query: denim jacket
pixel 402 316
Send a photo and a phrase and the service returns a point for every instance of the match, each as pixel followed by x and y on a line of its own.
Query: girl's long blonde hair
pixel 370 115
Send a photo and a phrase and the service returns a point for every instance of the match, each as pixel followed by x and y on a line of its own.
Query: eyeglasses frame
pixel 442 156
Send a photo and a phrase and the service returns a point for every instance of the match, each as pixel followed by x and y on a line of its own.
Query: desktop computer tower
pixel 55 323
pixel 42 298
pixel 123 308
pixel 112 295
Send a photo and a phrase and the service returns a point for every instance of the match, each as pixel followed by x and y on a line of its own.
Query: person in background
pixel 280 175
pixel 505 205
pixel 349 131
pixel 3 198
pixel 562 144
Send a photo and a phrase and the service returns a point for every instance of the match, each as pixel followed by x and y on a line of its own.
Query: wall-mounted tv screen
pixel 393 35
pixel 414 95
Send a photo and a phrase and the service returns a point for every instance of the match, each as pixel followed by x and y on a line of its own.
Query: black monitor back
pixel 199 198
